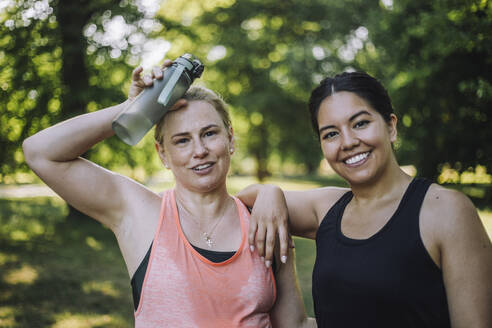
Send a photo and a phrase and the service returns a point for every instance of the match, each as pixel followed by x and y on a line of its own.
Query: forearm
pixel 71 138
pixel 248 195
pixel 289 310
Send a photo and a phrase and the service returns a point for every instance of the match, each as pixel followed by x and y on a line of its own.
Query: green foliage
pixel 263 51
pixel 58 60
pixel 29 67
pixel 264 57
pixel 435 59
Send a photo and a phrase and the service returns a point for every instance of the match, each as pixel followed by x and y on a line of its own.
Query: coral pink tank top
pixel 183 289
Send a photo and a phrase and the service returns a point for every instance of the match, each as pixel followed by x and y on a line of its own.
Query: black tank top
pixel 387 280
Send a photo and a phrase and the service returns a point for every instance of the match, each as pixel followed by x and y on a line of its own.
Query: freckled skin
pixel 196 144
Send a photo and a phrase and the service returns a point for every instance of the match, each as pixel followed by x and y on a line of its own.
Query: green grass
pixel 58 272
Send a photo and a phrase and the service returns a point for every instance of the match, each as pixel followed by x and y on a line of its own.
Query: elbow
pixel 29 150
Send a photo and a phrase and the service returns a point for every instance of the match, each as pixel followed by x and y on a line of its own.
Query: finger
pixel 179 104
pixel 167 63
pixel 269 245
pixel 148 81
pixel 283 235
pixel 157 72
pixel 136 73
pixel 260 240
pixel 291 242
pixel 251 233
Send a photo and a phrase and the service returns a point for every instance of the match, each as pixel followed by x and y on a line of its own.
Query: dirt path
pixel 26 191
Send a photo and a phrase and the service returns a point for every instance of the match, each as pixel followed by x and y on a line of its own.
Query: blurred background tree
pixel 60 58
pixel 435 58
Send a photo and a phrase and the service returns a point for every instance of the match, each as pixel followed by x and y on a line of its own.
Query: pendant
pixel 208 240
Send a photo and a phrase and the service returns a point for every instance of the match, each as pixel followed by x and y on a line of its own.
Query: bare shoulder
pixel 326 198
pixel 137 195
pixel 140 202
pixel 448 204
pixel 320 199
pixel 139 222
pixel 449 213
pixel 132 190
pixel 307 208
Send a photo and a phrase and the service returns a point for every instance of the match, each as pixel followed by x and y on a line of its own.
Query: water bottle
pixel 153 102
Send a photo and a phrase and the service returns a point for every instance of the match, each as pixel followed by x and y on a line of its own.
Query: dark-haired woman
pixel 391 251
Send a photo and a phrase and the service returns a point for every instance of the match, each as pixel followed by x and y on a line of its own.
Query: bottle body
pixel 146 110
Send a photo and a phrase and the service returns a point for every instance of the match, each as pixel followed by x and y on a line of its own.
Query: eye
pixel 181 141
pixel 210 133
pixel 329 135
pixel 361 124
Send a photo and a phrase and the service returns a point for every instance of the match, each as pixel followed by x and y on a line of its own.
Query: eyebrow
pixel 181 134
pixel 353 117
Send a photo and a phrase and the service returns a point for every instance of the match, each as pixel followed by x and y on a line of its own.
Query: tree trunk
pixel 75 81
pixel 259 149
pixel 72 17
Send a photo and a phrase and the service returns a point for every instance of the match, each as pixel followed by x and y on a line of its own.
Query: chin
pixel 207 185
pixel 356 178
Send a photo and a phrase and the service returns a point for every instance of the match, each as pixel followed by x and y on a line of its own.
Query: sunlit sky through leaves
pixel 116 33
pixel 120 36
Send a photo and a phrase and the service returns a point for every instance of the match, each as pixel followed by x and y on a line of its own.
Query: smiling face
pixel 197 146
pixel 355 139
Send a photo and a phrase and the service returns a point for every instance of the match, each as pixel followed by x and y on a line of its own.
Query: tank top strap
pixel 336 210
pixel 244 215
pixel 411 204
pixel 416 192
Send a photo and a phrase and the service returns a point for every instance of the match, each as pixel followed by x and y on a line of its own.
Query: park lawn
pixel 59 273
pixel 56 272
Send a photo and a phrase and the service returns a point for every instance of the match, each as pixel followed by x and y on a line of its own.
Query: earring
pixel 231 150
pixel 167 166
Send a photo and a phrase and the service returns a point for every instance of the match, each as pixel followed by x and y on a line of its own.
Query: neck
pixel 393 181
pixel 208 204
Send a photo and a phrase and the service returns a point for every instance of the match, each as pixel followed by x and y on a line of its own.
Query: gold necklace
pixel 207 236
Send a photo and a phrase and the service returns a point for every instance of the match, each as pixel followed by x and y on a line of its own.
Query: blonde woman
pixel 186 250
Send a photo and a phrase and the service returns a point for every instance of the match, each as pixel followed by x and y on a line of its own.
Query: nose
pixel 349 140
pixel 200 150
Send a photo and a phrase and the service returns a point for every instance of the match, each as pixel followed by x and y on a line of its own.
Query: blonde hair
pixel 196 93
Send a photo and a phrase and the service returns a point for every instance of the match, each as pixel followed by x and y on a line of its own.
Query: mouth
pixel 202 167
pixel 356 159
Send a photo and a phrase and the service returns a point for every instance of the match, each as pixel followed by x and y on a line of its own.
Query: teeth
pixel 357 158
pixel 202 167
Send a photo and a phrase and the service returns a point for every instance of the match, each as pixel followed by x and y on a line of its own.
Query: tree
pixel 435 58
pixel 264 52
pixel 59 59
pixel 264 57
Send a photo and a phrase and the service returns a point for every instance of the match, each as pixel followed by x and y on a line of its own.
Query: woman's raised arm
pixel 54 155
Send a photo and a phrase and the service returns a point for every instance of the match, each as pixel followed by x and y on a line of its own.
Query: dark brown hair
pixel 360 83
